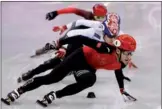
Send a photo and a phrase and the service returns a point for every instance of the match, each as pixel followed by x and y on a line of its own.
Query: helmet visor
pixel 126 53
pixel 99 18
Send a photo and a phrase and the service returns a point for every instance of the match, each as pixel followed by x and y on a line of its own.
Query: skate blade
pixel 33 56
pixel 41 103
pixel 132 98
pixel 5 101
pixel 41 54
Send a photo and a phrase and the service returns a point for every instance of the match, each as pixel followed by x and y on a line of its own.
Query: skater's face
pixel 126 56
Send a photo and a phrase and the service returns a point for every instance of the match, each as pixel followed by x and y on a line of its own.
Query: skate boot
pixel 50 97
pixel 47 99
pixel 25 76
pixel 13 95
pixel 46 48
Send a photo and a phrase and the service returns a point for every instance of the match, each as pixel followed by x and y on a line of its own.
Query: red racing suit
pixel 101 60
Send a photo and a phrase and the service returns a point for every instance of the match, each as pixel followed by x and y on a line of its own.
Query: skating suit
pixel 101 60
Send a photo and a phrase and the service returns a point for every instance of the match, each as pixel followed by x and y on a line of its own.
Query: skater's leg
pixel 83 81
pixel 58 73
pixel 50 64
pixel 84 78
pixel 41 68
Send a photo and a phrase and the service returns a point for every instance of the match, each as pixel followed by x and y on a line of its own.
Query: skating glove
pixel 59 28
pixel 51 15
pixel 127 96
pixel 61 52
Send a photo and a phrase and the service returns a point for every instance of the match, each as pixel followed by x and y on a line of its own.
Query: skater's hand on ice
pixel 127 96
pixel 59 28
pixel 61 52
pixel 51 15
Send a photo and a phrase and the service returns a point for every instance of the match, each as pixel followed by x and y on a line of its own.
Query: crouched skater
pixel 85 60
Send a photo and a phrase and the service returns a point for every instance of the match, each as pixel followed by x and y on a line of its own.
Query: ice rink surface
pixel 25 29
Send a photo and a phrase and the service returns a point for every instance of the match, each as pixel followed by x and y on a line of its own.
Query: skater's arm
pixel 89 32
pixel 87 23
pixel 86 32
pixel 72 10
pixel 119 78
pixel 80 28
pixel 86 14
pixel 97 45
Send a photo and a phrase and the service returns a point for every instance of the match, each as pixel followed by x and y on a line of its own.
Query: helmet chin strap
pixel 119 55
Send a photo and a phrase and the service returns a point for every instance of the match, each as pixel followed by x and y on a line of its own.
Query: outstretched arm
pixel 82 22
pixel 87 23
pixel 69 10
pixel 119 78
pixel 97 45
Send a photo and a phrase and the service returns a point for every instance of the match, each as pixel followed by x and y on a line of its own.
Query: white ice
pixel 25 29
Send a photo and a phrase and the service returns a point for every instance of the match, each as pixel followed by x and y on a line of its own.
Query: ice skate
pixel 46 48
pixel 48 98
pixel 11 97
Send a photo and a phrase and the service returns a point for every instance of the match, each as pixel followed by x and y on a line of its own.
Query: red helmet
pixel 99 10
pixel 125 42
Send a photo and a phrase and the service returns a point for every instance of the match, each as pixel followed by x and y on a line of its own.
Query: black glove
pixel 126 78
pixel 51 15
pixel 127 96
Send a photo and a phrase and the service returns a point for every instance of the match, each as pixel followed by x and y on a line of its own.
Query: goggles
pixel 127 53
pixel 99 17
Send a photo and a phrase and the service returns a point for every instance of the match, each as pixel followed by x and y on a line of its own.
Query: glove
pixel 51 15
pixel 131 64
pixel 61 52
pixel 126 78
pixel 127 96
pixel 59 28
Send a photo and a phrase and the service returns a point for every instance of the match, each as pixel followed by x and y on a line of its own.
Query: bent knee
pixel 88 80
